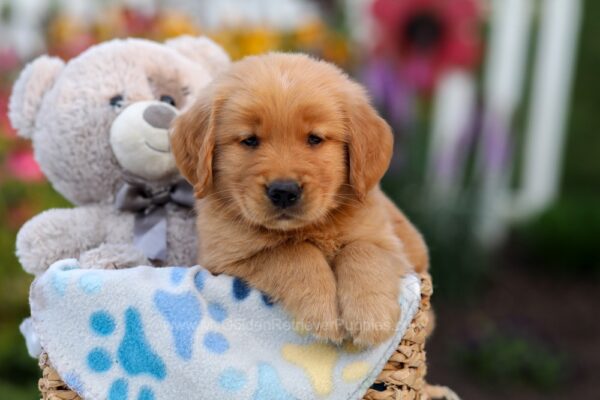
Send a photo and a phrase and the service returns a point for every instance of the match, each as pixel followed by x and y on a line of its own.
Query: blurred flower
pixel 73 47
pixel 336 49
pixel 259 40
pixel 64 28
pixel 172 24
pixel 17 215
pixel 6 128
pixel 138 23
pixel 428 37
pixel 21 165
pixel 110 24
pixel 9 59
pixel 310 35
pixel 68 37
pixel 394 96
pixel 496 141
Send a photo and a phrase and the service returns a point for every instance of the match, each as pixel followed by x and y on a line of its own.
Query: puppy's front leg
pixel 368 282
pixel 299 277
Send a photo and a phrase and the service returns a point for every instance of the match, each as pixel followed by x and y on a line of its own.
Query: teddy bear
pixel 99 125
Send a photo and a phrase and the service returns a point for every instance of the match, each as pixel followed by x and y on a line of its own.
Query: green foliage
pixel 459 265
pixel 564 239
pixel 18 202
pixel 582 167
pixel 19 392
pixel 509 360
pixel 16 366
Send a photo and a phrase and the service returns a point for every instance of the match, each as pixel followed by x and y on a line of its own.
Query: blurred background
pixel 494 104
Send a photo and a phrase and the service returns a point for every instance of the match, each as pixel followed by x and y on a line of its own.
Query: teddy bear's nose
pixel 159 116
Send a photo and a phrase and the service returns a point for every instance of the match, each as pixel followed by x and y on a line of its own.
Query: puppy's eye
pixel 314 140
pixel 251 141
pixel 116 101
pixel 165 98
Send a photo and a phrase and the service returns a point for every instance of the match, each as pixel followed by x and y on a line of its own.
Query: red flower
pixel 428 37
pixel 138 23
pixel 23 166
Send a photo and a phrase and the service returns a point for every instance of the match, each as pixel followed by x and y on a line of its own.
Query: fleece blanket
pixel 181 333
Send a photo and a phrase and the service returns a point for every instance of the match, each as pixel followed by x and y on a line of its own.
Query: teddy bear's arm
pixel 113 256
pixel 56 234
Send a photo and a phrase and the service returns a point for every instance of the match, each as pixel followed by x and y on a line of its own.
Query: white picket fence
pixel 505 75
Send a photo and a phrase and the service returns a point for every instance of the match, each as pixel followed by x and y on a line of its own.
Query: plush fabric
pixel 69 109
pixel 147 333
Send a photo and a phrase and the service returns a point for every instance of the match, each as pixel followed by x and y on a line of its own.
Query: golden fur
pixel 334 260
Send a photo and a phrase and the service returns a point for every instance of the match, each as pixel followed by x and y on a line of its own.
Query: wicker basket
pixel 403 377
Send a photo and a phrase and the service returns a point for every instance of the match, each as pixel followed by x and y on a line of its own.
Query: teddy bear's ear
pixel 35 81
pixel 202 50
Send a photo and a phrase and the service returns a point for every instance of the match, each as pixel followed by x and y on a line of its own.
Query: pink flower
pixel 21 165
pixel 428 37
pixel 9 60
pixel 5 126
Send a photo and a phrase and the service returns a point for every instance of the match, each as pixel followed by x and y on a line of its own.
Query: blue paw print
pixel 177 275
pixel 182 312
pixel 232 379
pixel 269 385
pixel 60 276
pixel 241 291
pixel 120 388
pixel 134 354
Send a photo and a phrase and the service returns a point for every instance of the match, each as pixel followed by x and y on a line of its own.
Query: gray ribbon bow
pixel 149 206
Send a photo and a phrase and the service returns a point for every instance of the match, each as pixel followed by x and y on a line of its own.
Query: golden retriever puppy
pixel 285 154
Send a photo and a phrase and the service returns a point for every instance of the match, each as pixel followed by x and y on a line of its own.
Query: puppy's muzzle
pixel 284 193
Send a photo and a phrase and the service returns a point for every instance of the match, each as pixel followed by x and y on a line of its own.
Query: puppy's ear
pixel 193 143
pixel 370 142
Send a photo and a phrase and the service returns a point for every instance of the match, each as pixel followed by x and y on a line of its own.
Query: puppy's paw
pixel 320 318
pixel 369 319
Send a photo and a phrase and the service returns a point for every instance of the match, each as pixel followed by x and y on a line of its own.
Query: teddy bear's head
pixel 102 118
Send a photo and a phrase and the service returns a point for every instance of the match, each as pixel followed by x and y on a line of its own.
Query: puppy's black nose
pixel 284 194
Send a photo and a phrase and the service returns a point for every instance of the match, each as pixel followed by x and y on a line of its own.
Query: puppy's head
pixel 282 140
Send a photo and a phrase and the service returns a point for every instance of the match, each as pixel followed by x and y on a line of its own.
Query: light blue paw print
pixel 215 342
pixel 217 312
pixel 269 385
pixel 90 282
pixel 60 276
pixel 183 313
pixel 134 354
pixel 73 381
pixel 177 275
pixel 232 379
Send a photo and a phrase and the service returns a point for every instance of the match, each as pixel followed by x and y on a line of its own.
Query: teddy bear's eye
pixel 165 98
pixel 116 101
